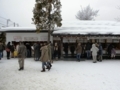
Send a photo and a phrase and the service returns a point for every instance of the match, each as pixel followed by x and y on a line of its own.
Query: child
pixel 113 53
pixel 15 53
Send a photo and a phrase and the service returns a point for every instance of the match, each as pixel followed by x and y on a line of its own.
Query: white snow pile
pixel 64 75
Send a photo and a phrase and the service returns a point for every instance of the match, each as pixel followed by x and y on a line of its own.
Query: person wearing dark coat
pixel 1 50
pixel 66 49
pixel 8 48
pixel 87 48
pixel 37 52
pixel 100 52
pixel 12 51
pixel 72 49
pixel 109 48
pixel 28 50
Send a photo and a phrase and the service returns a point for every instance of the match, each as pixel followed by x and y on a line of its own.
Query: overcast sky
pixel 20 11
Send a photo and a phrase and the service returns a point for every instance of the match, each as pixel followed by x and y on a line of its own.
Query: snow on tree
pixel 47 14
pixel 86 13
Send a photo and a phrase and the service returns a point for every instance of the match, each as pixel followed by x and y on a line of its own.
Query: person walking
pixel 44 58
pixel 78 51
pixel 94 50
pixel 21 55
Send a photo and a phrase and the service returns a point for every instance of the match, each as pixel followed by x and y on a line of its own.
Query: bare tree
pixel 86 13
pixel 118 18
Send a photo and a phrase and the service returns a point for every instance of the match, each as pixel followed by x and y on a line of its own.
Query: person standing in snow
pixel 94 50
pixel 21 55
pixel 113 53
pixel 78 51
pixel 100 52
pixel 8 48
pixel 37 51
pixel 1 50
pixel 87 48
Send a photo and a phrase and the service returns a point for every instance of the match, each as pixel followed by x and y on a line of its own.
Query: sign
pixel 102 40
pixel 116 40
pixel 109 40
pixel 56 38
pixel 17 38
pixel 30 38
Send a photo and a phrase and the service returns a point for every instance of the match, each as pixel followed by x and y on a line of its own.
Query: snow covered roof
pixel 18 29
pixel 89 27
pixel 78 27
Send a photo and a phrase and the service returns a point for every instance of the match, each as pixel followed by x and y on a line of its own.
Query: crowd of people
pixel 95 51
pixel 47 52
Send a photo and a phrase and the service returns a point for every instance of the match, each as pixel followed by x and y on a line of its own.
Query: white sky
pixel 20 11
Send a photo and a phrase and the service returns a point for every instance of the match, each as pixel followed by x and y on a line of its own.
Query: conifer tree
pixel 47 14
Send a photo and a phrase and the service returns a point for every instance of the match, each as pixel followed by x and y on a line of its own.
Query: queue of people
pixel 46 52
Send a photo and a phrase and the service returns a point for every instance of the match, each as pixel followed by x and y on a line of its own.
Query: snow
pixel 89 27
pixel 64 75
pixel 78 27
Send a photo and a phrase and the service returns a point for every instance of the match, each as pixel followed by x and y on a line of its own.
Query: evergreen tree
pixel 47 14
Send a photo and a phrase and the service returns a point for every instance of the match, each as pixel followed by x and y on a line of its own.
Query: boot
pixel 43 70
pixel 20 69
pixel 48 67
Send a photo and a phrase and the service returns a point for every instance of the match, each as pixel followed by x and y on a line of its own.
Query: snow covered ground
pixel 64 75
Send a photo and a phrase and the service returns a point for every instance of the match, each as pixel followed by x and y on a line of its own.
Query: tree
pixel 2 37
pixel 47 14
pixel 87 13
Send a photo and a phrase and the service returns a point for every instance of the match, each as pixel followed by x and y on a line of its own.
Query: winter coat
pixel 37 50
pixel 12 48
pixel 44 54
pixel 1 48
pixel 79 49
pixel 22 51
pixel 94 50
pixel 100 52
pixel 8 47
pixel 88 46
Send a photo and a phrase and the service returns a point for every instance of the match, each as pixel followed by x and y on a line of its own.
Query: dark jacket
pixel 88 46
pixel 37 50
pixel 100 52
